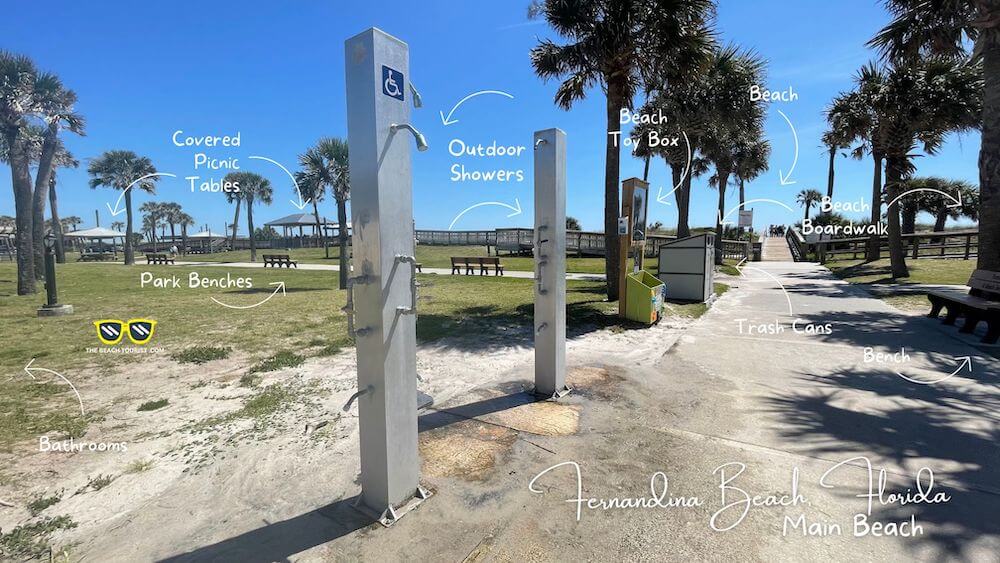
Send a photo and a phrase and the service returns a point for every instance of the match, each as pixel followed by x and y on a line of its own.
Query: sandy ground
pixel 235 468
pixel 696 401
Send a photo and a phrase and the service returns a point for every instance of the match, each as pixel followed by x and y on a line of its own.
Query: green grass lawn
pixel 305 322
pixel 951 272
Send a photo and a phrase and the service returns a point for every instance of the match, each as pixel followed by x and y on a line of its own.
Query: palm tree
pixel 860 122
pixel 171 212
pixel 117 226
pixel 751 160
pixel 326 166
pixel 922 103
pixel 920 197
pixel 72 222
pixel 185 221
pixel 124 170
pixel 836 137
pixel 63 159
pixel 152 213
pixel 733 72
pixel 253 187
pixel 620 45
pixel 17 103
pixel 807 198
pixel 57 112
pixel 237 198
pixel 945 28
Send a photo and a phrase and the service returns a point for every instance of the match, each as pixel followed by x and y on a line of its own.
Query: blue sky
pixel 274 72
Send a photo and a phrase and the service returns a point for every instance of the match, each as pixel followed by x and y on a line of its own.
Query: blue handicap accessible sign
pixel 392 83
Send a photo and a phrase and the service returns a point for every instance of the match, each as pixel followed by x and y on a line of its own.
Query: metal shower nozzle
pixel 417 135
pixel 418 102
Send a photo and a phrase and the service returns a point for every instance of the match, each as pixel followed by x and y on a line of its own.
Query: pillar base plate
pixel 560 393
pixel 390 515
pixel 55 310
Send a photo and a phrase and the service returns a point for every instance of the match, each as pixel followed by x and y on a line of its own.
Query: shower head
pixel 418 102
pixel 417 135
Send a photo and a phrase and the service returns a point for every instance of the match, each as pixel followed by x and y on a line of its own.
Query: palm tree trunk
pixel 40 198
pixel 684 212
pixel 723 182
pixel 875 242
pixel 342 240
pixel 173 235
pixel 56 222
pixel 319 228
pixel 129 250
pixel 236 222
pixel 20 172
pixel 830 174
pixel 253 242
pixel 940 219
pixel 893 176
pixel 184 239
pixel 612 203
pixel 743 200
pixel 909 211
pixel 679 196
pixel 989 161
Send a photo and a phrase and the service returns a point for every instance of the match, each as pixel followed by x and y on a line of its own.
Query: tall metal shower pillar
pixel 550 263
pixel 382 290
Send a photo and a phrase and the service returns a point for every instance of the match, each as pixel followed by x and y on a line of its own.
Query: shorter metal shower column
pixel 550 263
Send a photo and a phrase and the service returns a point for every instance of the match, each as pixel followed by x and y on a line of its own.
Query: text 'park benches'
pixel 981 303
pixel 470 263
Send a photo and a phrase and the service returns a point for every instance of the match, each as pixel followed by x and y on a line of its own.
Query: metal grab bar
pixel 349 307
pixel 542 258
pixel 412 309
pixel 347 405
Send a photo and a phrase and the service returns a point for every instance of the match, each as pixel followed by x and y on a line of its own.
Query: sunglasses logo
pixel 111 331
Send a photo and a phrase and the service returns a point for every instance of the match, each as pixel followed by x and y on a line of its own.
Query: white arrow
pixel 722 220
pixel 28 369
pixel 748 202
pixel 448 120
pixel 784 177
pixel 516 210
pixel 116 211
pixel 661 197
pixel 958 200
pixel 776 280
pixel 300 204
pixel 966 362
pixel 281 288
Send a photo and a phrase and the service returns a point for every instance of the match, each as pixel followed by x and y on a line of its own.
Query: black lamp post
pixel 52 308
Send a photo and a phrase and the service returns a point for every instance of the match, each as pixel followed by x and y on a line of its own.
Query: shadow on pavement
pixel 903 421
pixel 281 540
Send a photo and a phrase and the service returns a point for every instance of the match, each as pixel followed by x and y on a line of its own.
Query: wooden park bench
pixel 457 263
pixel 981 303
pixel 159 259
pixel 485 263
pixel 279 260
pixel 470 263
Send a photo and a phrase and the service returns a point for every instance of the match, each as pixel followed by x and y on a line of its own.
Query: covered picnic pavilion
pixel 97 249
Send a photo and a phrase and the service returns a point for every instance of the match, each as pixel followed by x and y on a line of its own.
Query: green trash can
pixel 643 297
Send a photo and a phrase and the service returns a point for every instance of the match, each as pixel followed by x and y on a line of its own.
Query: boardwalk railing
pixel 579 243
pixel 963 244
